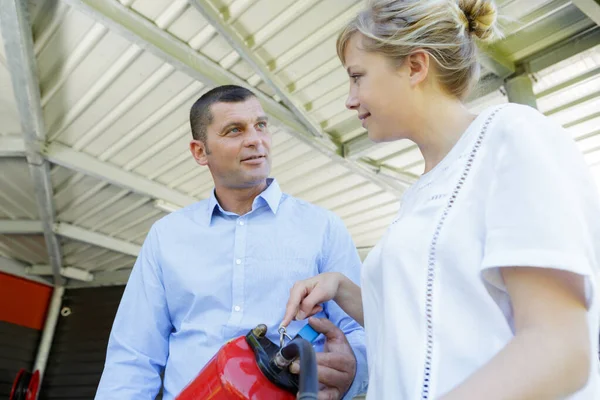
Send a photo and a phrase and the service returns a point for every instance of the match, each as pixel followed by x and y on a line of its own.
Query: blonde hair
pixel 442 28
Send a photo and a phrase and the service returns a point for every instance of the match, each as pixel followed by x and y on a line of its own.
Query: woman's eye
pixel 355 78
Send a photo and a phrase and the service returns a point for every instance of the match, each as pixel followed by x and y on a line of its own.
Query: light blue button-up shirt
pixel 205 276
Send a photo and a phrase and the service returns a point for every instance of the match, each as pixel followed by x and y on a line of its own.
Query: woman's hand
pixel 307 295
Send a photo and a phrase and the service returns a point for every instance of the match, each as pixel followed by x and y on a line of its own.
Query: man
pixel 214 270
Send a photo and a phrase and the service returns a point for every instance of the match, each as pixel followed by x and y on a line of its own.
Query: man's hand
pixel 336 364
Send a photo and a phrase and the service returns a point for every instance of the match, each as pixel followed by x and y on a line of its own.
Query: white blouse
pixel 514 191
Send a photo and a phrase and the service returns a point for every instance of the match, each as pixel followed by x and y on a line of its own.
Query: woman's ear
pixel 199 152
pixel 418 65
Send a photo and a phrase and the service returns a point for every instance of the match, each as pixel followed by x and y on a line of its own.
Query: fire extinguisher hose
pixel 308 385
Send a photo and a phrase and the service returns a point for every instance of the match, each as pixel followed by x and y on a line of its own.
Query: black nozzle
pixel 308 383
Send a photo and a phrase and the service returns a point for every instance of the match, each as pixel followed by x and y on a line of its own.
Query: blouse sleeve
pixel 543 207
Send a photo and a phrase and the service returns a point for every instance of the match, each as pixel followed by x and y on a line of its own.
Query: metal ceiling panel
pixel 30 249
pixel 17 197
pixel 94 259
pixel 92 204
pixel 8 107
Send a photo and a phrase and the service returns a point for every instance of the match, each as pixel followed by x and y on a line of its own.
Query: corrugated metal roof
pixel 117 79
pixel 28 248
pixel 94 258
pixel 16 190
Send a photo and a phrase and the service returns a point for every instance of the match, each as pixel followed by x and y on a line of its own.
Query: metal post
pixel 48 333
pixel 16 33
pixel 520 90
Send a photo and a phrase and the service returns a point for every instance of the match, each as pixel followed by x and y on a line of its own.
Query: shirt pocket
pixel 267 286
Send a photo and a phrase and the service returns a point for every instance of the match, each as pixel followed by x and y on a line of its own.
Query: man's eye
pixel 262 125
pixel 235 130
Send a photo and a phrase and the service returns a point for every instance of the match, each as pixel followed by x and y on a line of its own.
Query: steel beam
pixel 520 90
pixel 563 50
pixel 96 239
pixel 113 278
pixel 17 268
pixel 88 165
pixel 67 157
pixel 79 274
pixel 591 8
pixel 12 146
pixel 496 62
pixel 358 147
pixel 23 227
pixel 16 33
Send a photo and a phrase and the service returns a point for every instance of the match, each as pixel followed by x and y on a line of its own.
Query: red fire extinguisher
pixel 252 367
pixel 25 386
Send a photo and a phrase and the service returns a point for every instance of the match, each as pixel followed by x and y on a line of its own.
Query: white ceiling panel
pixel 17 197
pixel 30 249
pixel 8 108
pixel 94 259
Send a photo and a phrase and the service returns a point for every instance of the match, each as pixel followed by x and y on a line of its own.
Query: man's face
pixel 238 145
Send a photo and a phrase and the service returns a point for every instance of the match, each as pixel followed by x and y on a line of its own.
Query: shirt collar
pixel 271 196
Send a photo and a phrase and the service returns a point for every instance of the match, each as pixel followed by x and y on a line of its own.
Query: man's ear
pixel 198 149
pixel 418 64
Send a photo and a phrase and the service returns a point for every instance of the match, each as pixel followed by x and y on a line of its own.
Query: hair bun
pixel 481 17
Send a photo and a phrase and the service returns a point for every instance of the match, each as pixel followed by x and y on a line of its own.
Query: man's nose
pixel 253 137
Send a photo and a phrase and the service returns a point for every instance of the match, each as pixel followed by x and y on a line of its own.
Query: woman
pixel 483 287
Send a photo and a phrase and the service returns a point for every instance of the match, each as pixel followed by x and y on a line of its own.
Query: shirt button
pixel 238 261
pixel 241 222
pixel 237 308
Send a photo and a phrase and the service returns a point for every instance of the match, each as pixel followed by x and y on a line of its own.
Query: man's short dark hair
pixel 200 115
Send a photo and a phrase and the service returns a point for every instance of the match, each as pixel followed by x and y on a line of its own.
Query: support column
pixel 15 29
pixel 41 359
pixel 520 90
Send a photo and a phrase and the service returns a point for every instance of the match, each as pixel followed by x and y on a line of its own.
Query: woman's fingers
pixel 313 299
pixel 297 294
pixel 307 295
pixel 303 314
